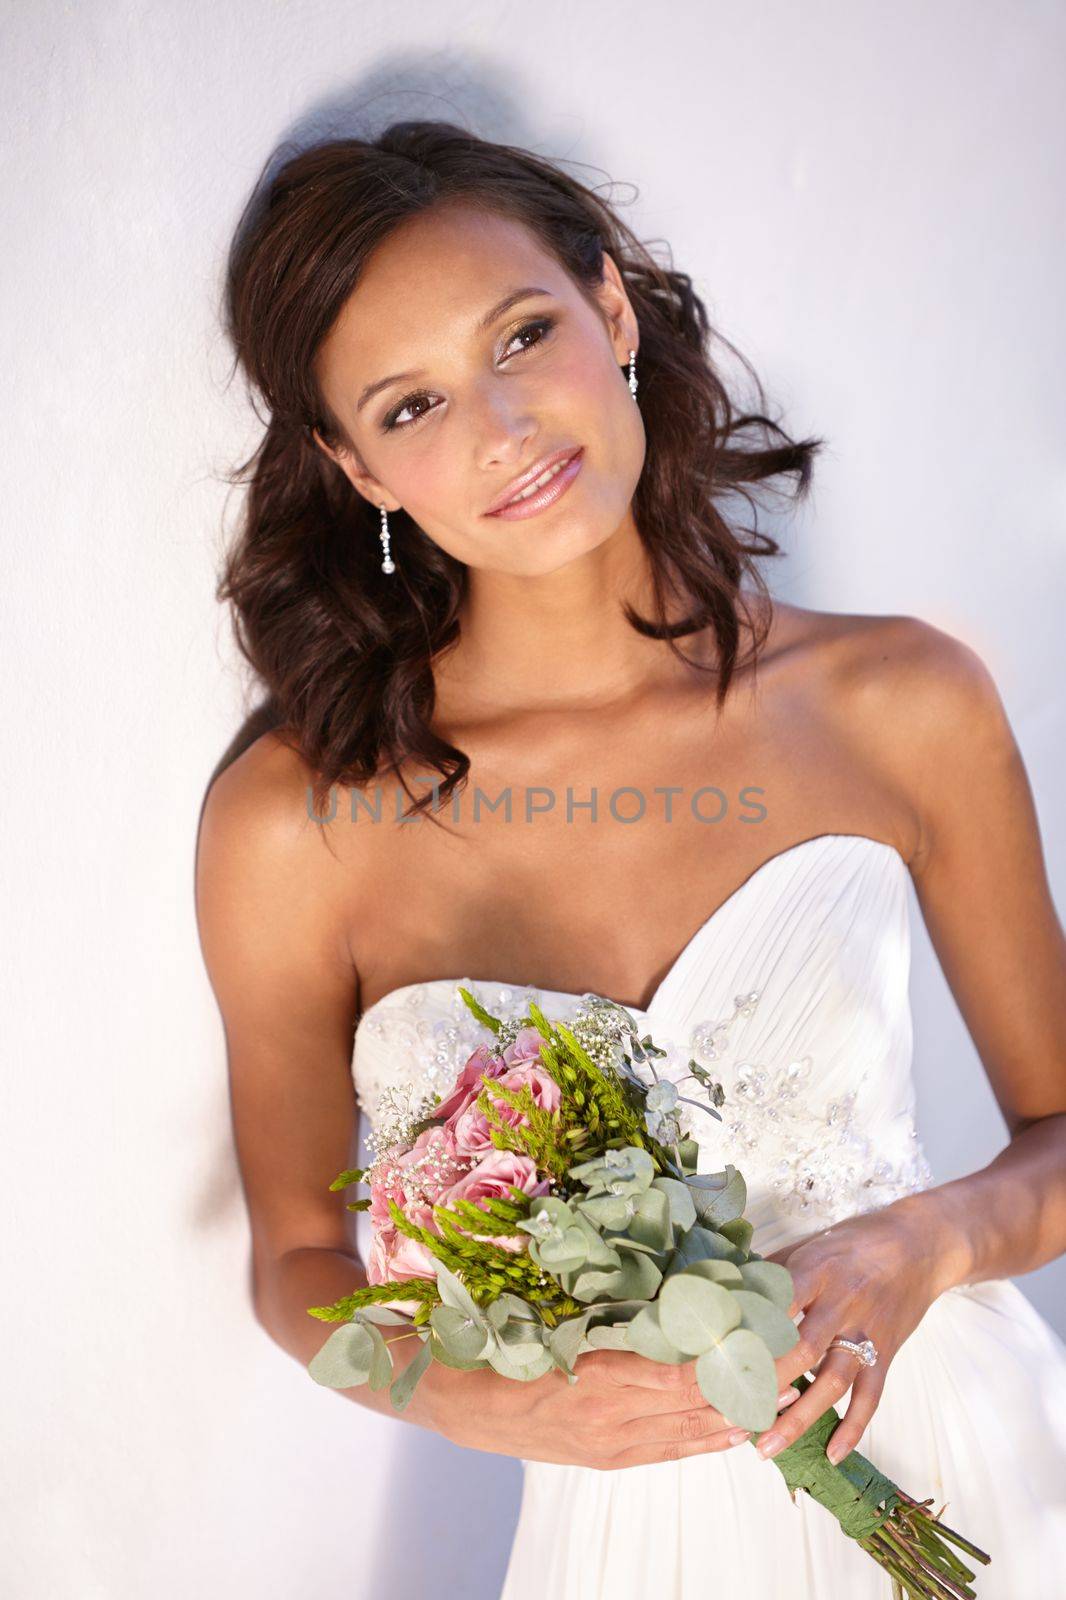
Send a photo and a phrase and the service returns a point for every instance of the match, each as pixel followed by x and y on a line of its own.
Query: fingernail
pixel 770 1444
pixel 836 1452
pixel 786 1397
pixel 738 1436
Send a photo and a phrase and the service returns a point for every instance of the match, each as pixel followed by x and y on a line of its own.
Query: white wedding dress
pixel 795 993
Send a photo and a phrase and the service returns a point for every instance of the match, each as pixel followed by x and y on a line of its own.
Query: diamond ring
pixel 865 1349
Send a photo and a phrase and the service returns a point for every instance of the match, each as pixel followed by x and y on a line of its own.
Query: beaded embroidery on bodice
pixel 793 993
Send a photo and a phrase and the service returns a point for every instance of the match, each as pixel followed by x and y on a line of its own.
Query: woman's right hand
pixel 624 1411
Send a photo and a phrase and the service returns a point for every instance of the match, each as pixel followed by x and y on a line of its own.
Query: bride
pixel 537 724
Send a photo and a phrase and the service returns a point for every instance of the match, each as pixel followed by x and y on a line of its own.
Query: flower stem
pixel 898 1532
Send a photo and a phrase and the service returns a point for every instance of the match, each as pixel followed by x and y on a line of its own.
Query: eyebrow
pixel 491 316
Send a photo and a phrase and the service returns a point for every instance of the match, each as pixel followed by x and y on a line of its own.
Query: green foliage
pixel 538 1139
pixel 421 1289
pixel 486 1269
pixel 349 1176
pixel 479 1011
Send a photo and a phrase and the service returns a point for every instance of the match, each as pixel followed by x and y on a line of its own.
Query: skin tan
pixel 876 725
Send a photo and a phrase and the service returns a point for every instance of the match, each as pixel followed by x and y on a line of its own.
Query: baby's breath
pixel 402 1108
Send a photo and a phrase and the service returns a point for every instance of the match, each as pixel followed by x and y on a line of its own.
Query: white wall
pixel 866 195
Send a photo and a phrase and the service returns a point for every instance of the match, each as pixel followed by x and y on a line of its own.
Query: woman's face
pixel 448 399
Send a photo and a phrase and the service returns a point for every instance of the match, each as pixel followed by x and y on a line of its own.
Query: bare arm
pixel 982 885
pixel 272 931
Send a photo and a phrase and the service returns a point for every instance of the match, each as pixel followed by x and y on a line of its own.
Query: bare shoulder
pixel 262 859
pixel 269 906
pixel 922 688
pixel 916 704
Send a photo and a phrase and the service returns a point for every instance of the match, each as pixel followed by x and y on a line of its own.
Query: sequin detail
pixel 822 1162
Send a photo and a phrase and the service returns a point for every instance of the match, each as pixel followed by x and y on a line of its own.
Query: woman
pixel 489 503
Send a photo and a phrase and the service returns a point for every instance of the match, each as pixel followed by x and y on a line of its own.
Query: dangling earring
pixel 633 373
pixel 388 565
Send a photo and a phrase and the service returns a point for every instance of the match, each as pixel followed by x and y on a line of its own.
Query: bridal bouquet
pixel 548 1205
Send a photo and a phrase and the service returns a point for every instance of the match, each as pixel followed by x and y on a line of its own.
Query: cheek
pixel 600 413
pixel 432 479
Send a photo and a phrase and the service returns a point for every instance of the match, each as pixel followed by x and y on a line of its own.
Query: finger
pixel 866 1394
pixel 642 1455
pixel 695 1414
pixel 835 1377
pixel 806 1285
pixel 671 1427
pixel 627 1369
pixel 816 1331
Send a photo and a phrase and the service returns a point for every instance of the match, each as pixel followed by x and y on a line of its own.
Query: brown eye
pixel 390 421
pixel 542 326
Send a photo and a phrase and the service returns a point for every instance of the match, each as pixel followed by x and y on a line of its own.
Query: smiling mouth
pixel 545 489
pixel 538 483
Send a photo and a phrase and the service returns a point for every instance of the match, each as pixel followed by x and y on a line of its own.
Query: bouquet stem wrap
pixel 897 1531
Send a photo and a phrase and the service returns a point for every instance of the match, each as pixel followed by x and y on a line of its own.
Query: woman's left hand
pixel 872 1276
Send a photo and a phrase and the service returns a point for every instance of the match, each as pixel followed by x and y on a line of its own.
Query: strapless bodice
pixel 793 994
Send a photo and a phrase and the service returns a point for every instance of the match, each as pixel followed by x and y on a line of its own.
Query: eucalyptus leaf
pixel 609 1336
pixel 689 1151
pixel 519 1332
pixel 695 1314
pixel 461 1335
pixel 717 1271
pixel 770 1278
pixel 739 1378
pixel 763 1317
pixel 607 1210
pixel 454 1293
pixel 701 1244
pixel 717 1202
pixel 547 1205
pixel 628 1170
pixel 636 1278
pixel 610 1311
pixel 507 1307
pixel 381 1368
pixel 622 1241
pixel 385 1315
pixel 600 1253
pixel 507 1367
pixel 740 1231
pixel 564 1250
pixel 647 1338
pixel 682 1206
pixel 565 1339
pixel 345 1360
pixel 405 1385
pixel 652 1224
pixel 441 1355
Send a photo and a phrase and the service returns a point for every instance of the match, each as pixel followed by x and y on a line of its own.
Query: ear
pixel 357 475
pixel 619 313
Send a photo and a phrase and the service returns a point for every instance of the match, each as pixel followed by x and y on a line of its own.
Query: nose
pixel 505 427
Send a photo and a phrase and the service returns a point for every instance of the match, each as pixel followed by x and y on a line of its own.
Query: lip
pixel 551 491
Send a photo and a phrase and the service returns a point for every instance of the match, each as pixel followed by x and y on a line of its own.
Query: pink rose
pixel 525 1048
pixel 422 1173
pixel 491 1180
pixel 473 1135
pixel 393 1257
pixel 482 1064
pixel 492 1177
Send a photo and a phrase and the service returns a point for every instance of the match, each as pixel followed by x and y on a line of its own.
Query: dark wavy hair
pixel 345 651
